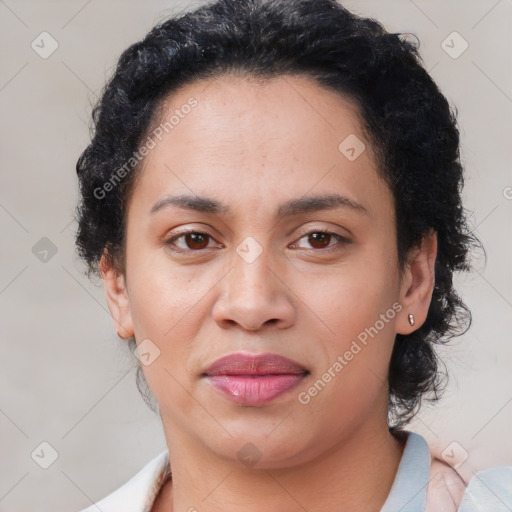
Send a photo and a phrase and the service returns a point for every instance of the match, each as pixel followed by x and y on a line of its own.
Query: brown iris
pixel 323 239
pixel 196 240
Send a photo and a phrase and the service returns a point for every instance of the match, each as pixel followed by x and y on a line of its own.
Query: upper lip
pixel 254 364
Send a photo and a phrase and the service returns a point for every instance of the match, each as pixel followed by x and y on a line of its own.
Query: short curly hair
pixel 410 124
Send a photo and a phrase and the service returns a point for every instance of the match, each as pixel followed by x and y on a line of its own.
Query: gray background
pixel 69 381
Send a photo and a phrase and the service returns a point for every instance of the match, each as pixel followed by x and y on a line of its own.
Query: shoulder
pixel 489 489
pixel 445 489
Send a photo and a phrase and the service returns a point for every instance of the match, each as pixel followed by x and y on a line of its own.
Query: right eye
pixel 193 241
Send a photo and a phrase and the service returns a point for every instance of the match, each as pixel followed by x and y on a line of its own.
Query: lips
pixel 260 364
pixel 254 379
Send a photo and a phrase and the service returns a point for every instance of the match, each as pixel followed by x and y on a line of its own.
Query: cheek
pixel 357 303
pixel 352 377
pixel 164 298
pixel 165 304
pixel 351 298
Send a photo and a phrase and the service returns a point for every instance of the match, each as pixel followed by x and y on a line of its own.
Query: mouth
pixel 254 380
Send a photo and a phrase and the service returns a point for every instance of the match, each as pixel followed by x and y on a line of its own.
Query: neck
pixel 356 474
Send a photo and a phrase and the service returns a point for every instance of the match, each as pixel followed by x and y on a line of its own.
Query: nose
pixel 254 296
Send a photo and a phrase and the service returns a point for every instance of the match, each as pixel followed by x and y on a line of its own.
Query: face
pixel 285 245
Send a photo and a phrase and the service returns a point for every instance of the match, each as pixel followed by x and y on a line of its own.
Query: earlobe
pixel 418 283
pixel 117 298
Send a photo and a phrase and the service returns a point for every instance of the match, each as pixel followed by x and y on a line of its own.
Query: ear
pixel 417 285
pixel 117 298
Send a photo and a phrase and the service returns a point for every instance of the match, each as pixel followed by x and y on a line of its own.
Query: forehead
pixel 227 107
pixel 252 139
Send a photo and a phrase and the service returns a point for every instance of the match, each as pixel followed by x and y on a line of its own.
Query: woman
pixel 272 199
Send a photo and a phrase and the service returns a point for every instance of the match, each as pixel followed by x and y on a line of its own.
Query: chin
pixel 256 448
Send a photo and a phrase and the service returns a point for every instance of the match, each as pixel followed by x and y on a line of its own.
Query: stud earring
pixel 411 319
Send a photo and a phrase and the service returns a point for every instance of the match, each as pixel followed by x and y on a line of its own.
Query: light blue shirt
pixel 489 490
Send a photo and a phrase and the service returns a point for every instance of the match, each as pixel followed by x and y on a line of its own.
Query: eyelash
pixel 329 249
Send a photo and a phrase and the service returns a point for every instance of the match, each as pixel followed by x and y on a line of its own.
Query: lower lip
pixel 254 390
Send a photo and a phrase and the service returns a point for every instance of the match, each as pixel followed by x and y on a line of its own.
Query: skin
pixel 254 145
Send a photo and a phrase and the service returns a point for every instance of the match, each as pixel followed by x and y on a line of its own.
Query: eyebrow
pixel 287 209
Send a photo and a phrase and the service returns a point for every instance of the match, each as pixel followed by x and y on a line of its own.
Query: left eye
pixel 320 239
